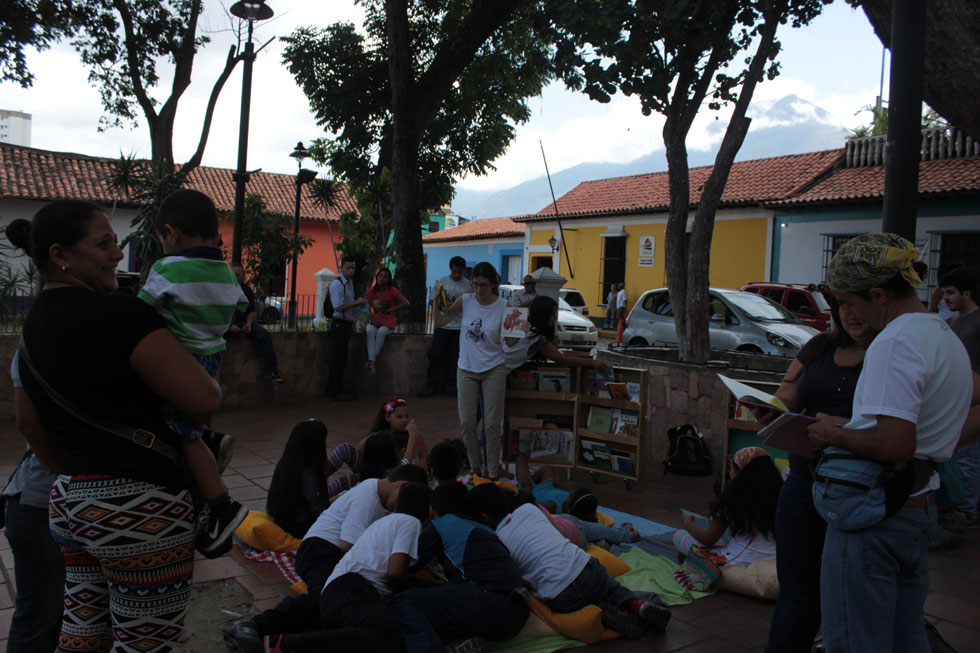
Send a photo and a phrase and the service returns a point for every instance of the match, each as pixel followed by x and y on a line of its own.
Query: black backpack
pixel 686 453
pixel 328 303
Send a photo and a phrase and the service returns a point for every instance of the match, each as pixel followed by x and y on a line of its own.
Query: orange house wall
pixel 314 258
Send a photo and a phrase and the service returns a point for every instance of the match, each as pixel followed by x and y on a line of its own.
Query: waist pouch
pixel 852 493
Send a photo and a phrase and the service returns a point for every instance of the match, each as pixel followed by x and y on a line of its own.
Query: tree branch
pixel 195 160
pixel 132 62
pixel 183 62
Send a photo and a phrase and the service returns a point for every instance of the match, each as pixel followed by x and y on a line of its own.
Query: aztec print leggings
pixel 129 559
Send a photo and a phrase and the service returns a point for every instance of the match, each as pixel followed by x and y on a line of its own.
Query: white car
pixel 572 331
pixel 575 300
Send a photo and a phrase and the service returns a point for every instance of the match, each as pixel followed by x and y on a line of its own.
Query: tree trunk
pixel 405 196
pixel 678 175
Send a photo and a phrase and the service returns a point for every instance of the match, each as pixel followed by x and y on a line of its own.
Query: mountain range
pixel 788 126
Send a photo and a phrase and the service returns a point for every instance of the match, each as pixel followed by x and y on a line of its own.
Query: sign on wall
pixel 647 243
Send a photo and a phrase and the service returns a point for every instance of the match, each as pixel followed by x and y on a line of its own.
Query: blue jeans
pixel 969 460
pixel 427 616
pixel 873 584
pixel 39 569
pixel 592 585
pixel 593 532
pixel 800 534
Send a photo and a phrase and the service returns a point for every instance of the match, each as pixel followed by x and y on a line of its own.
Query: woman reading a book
pixel 821 379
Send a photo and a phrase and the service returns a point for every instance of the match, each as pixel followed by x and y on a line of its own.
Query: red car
pixel 805 301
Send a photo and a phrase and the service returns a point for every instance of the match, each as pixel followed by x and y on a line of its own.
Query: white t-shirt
pixel 917 370
pixel 454 290
pixel 517 354
pixel 350 515
pixel 480 344
pixel 743 549
pixel 621 299
pixel 521 297
pixel 396 533
pixel 548 561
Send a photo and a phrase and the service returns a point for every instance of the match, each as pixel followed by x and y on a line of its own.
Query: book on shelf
pixel 524 380
pixel 618 391
pixel 515 324
pixel 514 424
pixel 563 422
pixel 633 387
pixel 601 379
pixel 624 422
pixel 555 379
pixel 600 419
pixel 546 445
pixel 602 456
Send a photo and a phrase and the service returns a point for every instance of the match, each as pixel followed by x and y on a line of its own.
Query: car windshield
pixel 821 301
pixel 759 308
pixel 565 306
pixel 573 298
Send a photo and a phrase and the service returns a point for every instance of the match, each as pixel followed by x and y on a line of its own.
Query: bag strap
pixel 140 437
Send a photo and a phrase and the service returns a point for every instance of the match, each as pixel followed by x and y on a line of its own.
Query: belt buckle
pixel 143 438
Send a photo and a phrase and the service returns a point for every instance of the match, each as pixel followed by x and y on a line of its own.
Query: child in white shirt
pixel 557 571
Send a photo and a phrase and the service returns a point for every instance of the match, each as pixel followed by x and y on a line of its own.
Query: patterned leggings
pixel 348 454
pixel 129 558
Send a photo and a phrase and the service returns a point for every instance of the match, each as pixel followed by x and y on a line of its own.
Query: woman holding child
pixel 112 358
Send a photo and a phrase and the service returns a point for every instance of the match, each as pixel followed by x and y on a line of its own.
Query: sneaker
pixel 427 391
pixel 215 539
pixel 272 377
pixel 243 638
pixel 469 645
pixel 655 616
pixel 625 623
pixel 222 446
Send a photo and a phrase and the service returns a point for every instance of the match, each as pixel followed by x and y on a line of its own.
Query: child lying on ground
pixel 559 573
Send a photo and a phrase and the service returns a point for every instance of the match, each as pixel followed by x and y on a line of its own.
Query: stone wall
pixel 302 357
pixel 681 393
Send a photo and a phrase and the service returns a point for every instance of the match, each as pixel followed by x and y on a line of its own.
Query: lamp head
pixel 300 153
pixel 553 243
pixel 251 10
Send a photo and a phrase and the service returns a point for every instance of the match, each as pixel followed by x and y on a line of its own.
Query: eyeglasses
pixel 481 284
pixel 530 283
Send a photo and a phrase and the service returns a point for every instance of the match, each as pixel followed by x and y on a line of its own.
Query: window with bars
pixel 612 264
pixel 832 243
pixel 960 250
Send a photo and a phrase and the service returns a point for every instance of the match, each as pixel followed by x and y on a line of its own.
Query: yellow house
pixel 614 230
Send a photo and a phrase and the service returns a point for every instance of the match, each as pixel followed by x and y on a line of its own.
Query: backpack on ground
pixel 687 453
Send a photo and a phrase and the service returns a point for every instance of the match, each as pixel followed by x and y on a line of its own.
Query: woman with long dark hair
pixel 384 299
pixel 111 358
pixel 298 492
pixel 542 315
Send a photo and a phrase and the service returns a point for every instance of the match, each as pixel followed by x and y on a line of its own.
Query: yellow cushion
pixel 585 624
pixel 604 519
pixel 614 566
pixel 758 579
pixel 260 532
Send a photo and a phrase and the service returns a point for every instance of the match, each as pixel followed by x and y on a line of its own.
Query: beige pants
pixel 492 385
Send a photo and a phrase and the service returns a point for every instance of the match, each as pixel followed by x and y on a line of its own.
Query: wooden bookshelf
pixel 740 432
pixel 536 404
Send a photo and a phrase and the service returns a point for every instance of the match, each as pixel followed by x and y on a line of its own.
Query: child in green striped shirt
pixel 196 293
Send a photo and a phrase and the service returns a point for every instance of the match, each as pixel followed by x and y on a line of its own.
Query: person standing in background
pixel 343 300
pixel 444 351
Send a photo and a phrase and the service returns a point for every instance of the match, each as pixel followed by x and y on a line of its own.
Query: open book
pixel 746 394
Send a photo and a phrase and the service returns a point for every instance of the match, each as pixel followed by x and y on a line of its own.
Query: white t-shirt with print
pixel 480 344
pixel 917 370
pixel 744 549
pixel 350 515
pixel 548 561
pixel 396 533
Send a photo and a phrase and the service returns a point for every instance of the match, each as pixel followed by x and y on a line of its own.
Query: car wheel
pixel 749 349
pixel 637 342
pixel 270 314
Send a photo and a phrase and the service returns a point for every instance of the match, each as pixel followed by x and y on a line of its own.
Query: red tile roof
pixel 478 230
pixel 29 173
pixel 942 177
pixel 750 182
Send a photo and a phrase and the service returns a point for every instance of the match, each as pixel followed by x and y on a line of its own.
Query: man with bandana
pixel 910 404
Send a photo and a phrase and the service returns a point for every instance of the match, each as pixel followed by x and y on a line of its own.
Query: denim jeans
pixel 800 534
pixel 592 585
pixel 873 584
pixel 427 616
pixel 375 336
pixel 593 532
pixel 969 461
pixel 39 569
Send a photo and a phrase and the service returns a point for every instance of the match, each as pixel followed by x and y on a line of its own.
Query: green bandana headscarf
pixel 868 261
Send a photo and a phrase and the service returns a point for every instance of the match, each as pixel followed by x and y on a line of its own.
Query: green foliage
pixel 879 121
pixel 344 73
pixel 268 243
pixel 31 23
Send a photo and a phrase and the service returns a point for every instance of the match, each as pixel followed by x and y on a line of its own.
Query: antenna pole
pixel 554 203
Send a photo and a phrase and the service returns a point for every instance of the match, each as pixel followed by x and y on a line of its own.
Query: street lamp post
pixel 250 11
pixel 302 177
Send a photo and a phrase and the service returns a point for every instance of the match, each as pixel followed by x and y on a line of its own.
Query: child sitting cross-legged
pixel 354 613
pixel 558 572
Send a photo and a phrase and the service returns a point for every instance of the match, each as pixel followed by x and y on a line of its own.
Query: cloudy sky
pixel 834 63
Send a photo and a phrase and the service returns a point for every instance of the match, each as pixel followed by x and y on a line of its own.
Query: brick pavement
pixel 723 622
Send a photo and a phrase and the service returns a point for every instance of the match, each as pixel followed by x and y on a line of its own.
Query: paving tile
pixel 738 625
pixel 677 636
pixel 267 571
pixel 263 482
pixel 957 586
pixel 5 616
pixel 256 471
pixel 248 492
pixel 7 559
pixel 261 605
pixel 6 597
pixel 961 638
pixel 258 587
pixel 699 608
pixel 714 645
pixel 232 480
pixel 218 569
pixel 947 608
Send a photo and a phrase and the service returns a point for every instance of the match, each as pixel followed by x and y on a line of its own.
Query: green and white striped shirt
pixel 196 296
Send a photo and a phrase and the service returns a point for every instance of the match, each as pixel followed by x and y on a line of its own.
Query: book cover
pixel 515 324
pixel 622 462
pixel 618 391
pixel 547 445
pixel 525 380
pixel 588 453
pixel 624 422
pixel 554 380
pixel 602 379
pixel 752 396
pixel 600 419
pixel 563 422
pixel 633 387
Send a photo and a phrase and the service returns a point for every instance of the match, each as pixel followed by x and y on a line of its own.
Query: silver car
pixel 739 321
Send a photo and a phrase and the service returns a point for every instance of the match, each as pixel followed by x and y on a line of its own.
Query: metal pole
pixel 241 176
pixel 904 140
pixel 292 269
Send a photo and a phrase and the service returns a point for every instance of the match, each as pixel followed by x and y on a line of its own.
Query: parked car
pixel 805 301
pixel 572 331
pixel 741 321
pixel 575 300
pixel 268 310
